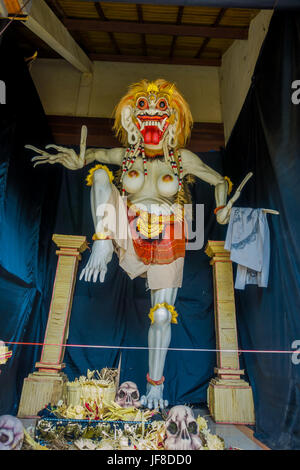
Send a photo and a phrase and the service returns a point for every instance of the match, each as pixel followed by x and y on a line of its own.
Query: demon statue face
pixel 11 433
pixel 128 395
pixel 153 113
pixel 182 431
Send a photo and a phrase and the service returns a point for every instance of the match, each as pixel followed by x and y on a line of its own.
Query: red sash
pixel 165 248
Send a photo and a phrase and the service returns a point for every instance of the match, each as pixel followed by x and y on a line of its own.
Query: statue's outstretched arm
pixel 69 158
pixel 112 156
pixel 193 165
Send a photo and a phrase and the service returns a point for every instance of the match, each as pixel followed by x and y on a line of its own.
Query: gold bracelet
pixel 230 184
pixel 100 236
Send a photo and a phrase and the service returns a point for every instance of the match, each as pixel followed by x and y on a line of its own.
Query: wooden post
pixel 47 384
pixel 229 397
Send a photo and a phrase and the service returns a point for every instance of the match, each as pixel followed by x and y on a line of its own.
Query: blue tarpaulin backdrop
pixel 34 203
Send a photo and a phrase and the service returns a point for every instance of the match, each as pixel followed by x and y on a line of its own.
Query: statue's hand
pixel 64 156
pixel 101 255
pixel 223 215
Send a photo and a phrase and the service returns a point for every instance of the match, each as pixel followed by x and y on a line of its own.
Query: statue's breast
pixel 167 184
pixel 159 181
pixel 133 181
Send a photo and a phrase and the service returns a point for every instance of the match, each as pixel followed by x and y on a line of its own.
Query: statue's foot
pixel 154 398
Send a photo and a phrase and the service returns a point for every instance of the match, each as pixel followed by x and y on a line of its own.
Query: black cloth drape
pixel 28 204
pixel 266 140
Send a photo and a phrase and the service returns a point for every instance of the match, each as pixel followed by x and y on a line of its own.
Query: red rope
pixel 256 351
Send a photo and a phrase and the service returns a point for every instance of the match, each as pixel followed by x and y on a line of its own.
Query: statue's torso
pixel 149 195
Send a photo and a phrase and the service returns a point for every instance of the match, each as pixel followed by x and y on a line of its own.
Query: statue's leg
pixel 159 338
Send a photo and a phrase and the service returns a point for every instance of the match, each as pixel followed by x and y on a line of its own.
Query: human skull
pixel 11 433
pixel 128 395
pixel 182 431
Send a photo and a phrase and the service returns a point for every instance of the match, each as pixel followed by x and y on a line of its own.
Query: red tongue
pixel 152 135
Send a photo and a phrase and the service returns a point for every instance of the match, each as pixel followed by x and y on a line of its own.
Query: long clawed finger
pixel 56 147
pixel 35 149
pixel 46 160
pixel 41 163
pixel 40 157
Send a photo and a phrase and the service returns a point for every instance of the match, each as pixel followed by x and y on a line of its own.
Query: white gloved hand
pixel 101 255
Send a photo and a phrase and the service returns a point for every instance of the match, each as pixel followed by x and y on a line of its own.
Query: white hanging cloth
pixel 248 240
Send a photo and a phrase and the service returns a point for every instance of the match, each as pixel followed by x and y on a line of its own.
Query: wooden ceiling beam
pixel 178 21
pixel 44 23
pixel 139 9
pixel 111 34
pixel 206 40
pixel 210 62
pixel 166 29
pixel 57 8
pixel 61 14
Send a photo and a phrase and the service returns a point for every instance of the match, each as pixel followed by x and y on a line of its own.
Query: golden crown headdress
pixel 153 88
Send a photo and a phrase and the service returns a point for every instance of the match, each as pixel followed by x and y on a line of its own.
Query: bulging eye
pixel 172 428
pixel 162 104
pixel 192 427
pixel 142 103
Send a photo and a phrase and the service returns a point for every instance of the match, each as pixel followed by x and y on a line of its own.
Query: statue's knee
pixel 162 316
pixel 101 177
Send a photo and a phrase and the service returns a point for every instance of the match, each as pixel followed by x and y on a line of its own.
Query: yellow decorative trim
pixel 170 308
pixel 230 184
pixel 177 216
pixel 151 225
pixel 90 176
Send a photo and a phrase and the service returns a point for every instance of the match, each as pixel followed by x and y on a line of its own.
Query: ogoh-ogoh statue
pixel 153 122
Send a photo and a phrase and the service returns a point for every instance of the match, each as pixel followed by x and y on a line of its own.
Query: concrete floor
pixel 232 436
